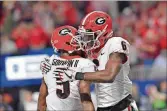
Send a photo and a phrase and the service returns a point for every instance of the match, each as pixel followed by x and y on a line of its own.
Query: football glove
pixel 45 66
pixel 64 74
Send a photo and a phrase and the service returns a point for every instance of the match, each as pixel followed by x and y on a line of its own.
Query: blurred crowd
pixel 155 98
pixel 142 23
pixel 28 26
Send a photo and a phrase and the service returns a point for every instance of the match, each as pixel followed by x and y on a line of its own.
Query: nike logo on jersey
pixel 102 53
pixel 62 71
pixel 68 75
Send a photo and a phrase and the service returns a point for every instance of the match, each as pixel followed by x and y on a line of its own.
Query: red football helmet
pixel 61 38
pixel 95 29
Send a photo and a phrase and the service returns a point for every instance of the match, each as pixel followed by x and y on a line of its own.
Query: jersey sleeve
pixel 118 44
pixel 89 66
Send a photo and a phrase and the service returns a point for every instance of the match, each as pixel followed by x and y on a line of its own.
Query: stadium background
pixel 26 29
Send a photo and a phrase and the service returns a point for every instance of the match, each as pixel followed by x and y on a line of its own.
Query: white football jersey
pixel 109 94
pixel 66 96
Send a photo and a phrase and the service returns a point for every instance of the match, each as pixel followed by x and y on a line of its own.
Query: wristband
pixel 79 76
pixel 85 97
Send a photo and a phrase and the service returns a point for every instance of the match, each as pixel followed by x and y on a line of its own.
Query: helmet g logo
pixel 100 21
pixel 64 31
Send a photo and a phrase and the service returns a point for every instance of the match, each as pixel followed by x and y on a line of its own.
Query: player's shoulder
pixel 115 40
pixel 84 62
pixel 117 44
pixel 51 58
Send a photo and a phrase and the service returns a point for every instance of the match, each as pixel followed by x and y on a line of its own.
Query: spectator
pixel 7 45
pixel 21 36
pixel 7 18
pixel 28 34
pixel 38 38
pixel 163 42
pixel 157 98
pixel 149 46
pixel 163 87
pixel 159 63
pixel 28 101
pixel 3 105
pixel 1 13
pixel 41 10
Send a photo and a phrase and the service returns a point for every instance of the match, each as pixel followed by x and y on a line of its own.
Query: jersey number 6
pixel 123 43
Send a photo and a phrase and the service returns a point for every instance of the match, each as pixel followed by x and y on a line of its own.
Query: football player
pixel 71 96
pixel 113 87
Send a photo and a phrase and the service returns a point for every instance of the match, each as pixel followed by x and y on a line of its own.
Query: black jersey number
pixel 123 43
pixel 65 92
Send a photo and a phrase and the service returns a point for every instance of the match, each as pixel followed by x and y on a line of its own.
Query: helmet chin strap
pixel 97 42
pixel 110 34
pixel 101 33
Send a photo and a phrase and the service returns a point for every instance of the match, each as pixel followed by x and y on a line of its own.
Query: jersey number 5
pixel 65 92
pixel 123 43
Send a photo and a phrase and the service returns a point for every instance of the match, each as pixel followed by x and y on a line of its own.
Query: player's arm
pixel 84 88
pixel 42 96
pixel 118 52
pixel 112 68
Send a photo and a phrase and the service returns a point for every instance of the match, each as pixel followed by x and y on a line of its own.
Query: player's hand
pixel 45 66
pixel 64 75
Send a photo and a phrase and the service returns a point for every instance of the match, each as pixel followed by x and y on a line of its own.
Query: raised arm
pixel 117 53
pixel 112 68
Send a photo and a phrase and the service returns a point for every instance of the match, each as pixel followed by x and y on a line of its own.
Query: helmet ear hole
pixel 68 43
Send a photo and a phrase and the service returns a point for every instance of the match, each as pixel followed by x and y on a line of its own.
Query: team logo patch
pixel 64 31
pixel 100 21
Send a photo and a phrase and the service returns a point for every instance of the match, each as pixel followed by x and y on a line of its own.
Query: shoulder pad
pixel 85 63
